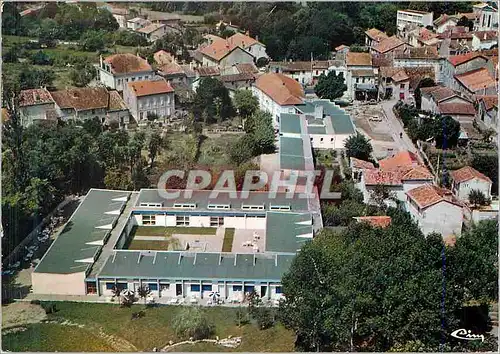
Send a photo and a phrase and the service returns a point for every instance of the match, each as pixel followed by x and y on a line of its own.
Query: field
pixel 107 327
pixel 154 245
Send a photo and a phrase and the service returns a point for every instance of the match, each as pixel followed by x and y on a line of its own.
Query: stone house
pixel 149 97
pixel 117 70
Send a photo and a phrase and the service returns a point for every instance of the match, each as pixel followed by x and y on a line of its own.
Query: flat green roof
pixel 307 107
pixel 287 232
pixel 291 146
pixel 290 123
pixel 201 198
pixel 341 121
pixel 195 266
pixel 291 153
pixel 76 247
pixel 316 129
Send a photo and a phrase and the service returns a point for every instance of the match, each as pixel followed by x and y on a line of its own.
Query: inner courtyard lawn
pixel 154 245
pixel 152 330
pixel 169 231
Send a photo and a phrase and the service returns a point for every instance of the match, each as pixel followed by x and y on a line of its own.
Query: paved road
pixel 396 127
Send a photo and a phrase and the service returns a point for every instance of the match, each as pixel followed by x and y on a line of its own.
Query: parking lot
pixel 370 121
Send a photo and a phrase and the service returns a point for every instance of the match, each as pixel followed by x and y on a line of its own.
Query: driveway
pixel 396 127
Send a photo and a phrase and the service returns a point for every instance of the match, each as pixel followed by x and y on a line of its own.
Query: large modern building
pixel 223 245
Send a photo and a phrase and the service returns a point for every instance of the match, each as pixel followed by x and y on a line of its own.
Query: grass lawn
pixel 153 330
pixel 50 337
pixel 168 231
pixel 153 245
pixel 227 244
pixel 214 151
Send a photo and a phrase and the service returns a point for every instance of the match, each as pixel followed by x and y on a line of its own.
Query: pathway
pixel 396 128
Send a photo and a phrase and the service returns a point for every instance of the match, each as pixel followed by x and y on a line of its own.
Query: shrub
pixel 241 317
pixel 265 317
pixel 35 302
pixel 136 315
pixel 49 307
pixel 192 322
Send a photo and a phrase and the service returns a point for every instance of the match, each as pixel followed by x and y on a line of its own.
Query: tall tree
pixel 358 146
pixel 155 144
pixel 263 134
pixel 330 86
pixel 245 103
pixel 213 99
pixel 446 131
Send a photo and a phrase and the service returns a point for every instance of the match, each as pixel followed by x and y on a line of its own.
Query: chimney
pixel 257 38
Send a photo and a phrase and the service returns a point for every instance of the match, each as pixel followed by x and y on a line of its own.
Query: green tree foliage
pixel 245 103
pixel 347 292
pixel 426 82
pixel 49 32
pixel 35 78
pixel 474 262
pixel 263 134
pixel 143 292
pixel 488 165
pixel 213 99
pixel 242 150
pixel 92 41
pixel 330 86
pixel 156 143
pixel 358 146
pixel 446 129
pixel 82 74
pixel 477 198
pixel 128 38
pixel 356 48
pixel 465 22
pixel 11 20
pixel 41 58
pixel 192 322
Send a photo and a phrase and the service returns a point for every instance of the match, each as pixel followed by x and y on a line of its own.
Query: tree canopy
pixel 373 289
pixel 212 101
pixel 330 86
pixel 358 146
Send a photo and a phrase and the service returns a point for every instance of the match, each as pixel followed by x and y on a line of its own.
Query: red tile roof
pixel 116 102
pixel 282 89
pixel 151 28
pixel 208 71
pixel 466 174
pixel 362 164
pixel 428 195
pixel 247 68
pixel 397 175
pixel 388 44
pixel 127 63
pixel 476 80
pixel 242 40
pixel 34 96
pixel 463 58
pixel 359 59
pixel 403 158
pixel 146 88
pixel 426 52
pixel 375 34
pixel 375 221
pixel 82 99
pixel 443 18
pixel 171 69
pixel 490 101
pixel 162 57
pixel 485 35
pixel 457 108
pixel 438 93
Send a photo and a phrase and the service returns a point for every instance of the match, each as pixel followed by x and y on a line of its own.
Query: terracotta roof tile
pixel 376 35
pixel 362 72
pixel 415 173
pixel 403 158
pixel 208 71
pixel 217 50
pixel 388 44
pixel 428 195
pixel 386 178
pixel 34 96
pixel 457 108
pixel 476 79
pixel 463 58
pixel 438 93
pixel 237 77
pixel 443 18
pixel 188 70
pixel 247 68
pixel 82 99
pixel 171 69
pixel 376 221
pixel 485 35
pixel 467 173
pixel 361 164
pixel 425 52
pixel 162 57
pixel 146 88
pixel 358 59
pixel 468 15
pixel 380 62
pixel 151 28
pixel 116 102
pixel 242 40
pixel 127 63
pixel 489 101
pixel 395 176
pixel 282 89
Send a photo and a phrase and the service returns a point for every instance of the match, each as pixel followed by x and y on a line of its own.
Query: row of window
pixel 153 102
pixel 193 287
pixel 321 139
pixel 183 220
pixel 127 79
pixel 219 206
